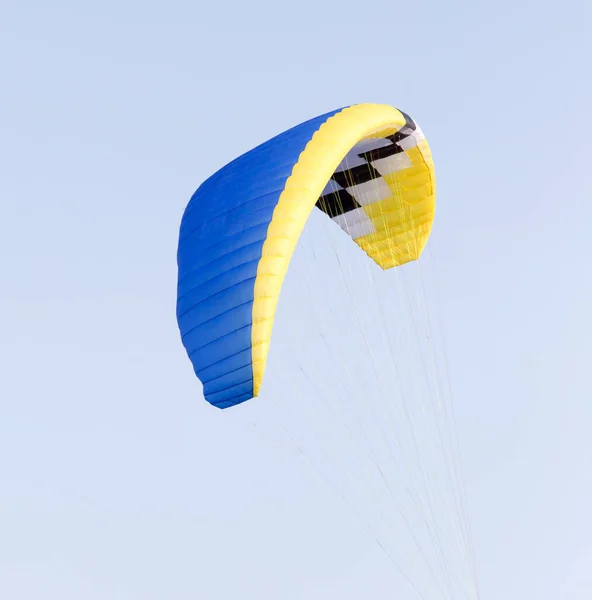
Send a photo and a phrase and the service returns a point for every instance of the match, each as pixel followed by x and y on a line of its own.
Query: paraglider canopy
pixel 368 167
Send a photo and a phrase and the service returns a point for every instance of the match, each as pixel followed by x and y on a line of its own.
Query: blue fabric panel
pixel 224 366
pixel 215 352
pixel 220 242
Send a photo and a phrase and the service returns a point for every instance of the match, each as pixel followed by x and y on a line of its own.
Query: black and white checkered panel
pixel 358 180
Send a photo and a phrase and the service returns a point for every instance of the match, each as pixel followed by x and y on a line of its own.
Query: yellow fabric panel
pixel 401 232
pixel 390 216
pixel 400 242
pixel 403 222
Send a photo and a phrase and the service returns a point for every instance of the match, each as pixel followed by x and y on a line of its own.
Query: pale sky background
pixel 117 481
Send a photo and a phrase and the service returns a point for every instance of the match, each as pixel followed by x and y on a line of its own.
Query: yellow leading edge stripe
pixel 407 229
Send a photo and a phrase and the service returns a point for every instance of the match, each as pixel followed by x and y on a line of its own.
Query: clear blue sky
pixel 116 480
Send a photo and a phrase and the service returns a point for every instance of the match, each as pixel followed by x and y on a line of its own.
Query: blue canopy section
pixel 221 239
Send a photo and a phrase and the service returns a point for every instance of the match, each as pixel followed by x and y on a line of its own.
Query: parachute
pixel 356 378
pixel 368 167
